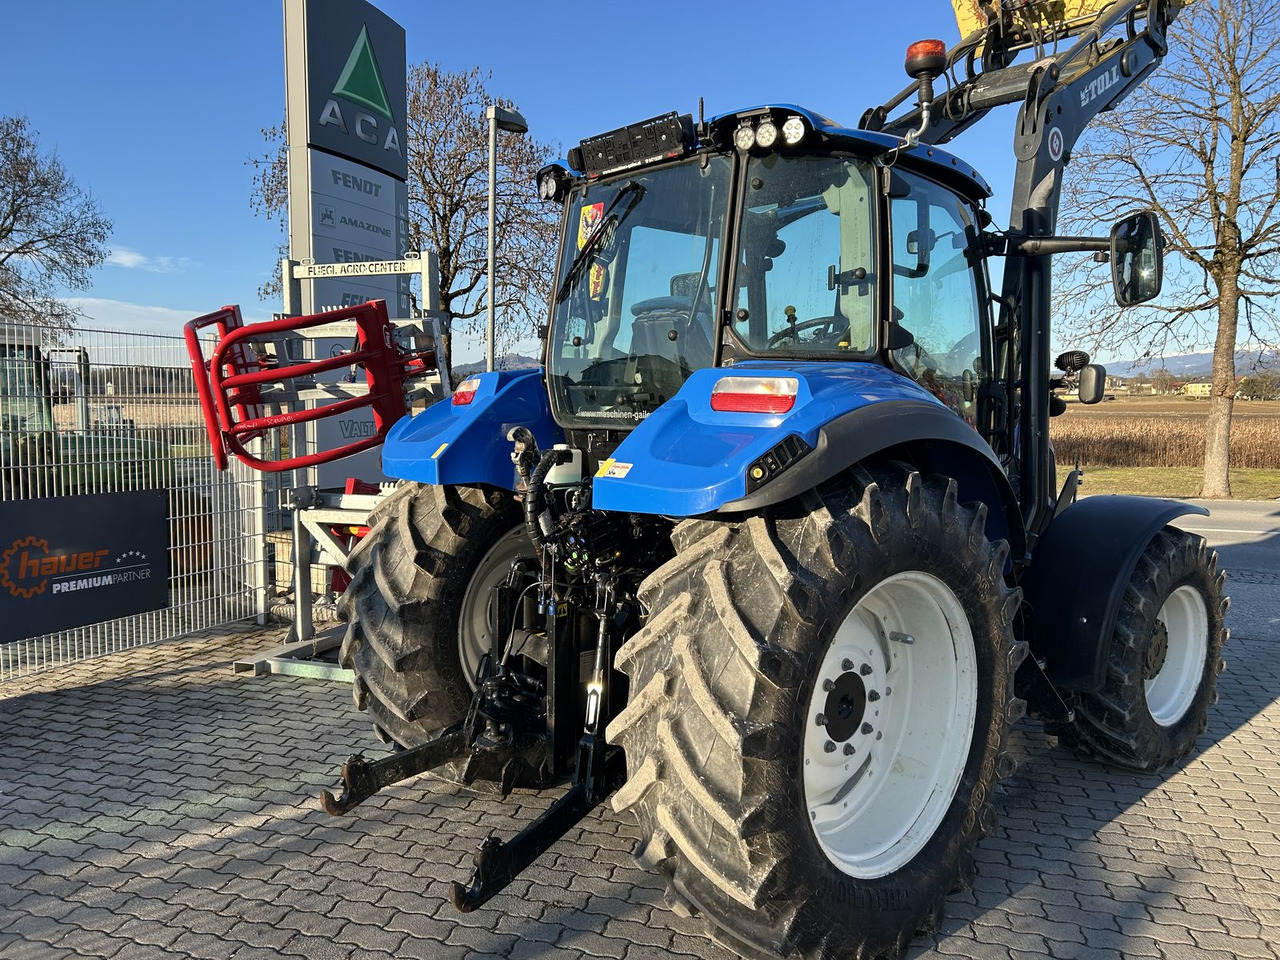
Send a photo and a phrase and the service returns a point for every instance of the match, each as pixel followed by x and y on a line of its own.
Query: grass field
pixel 1155 446
pixel 1177 482
pixel 1163 432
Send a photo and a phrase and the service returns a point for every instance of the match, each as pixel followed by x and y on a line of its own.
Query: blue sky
pixel 156 106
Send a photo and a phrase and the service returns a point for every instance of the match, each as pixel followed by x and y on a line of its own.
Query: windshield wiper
pixel 608 224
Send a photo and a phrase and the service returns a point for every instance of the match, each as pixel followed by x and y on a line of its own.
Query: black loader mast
pixel 1078 71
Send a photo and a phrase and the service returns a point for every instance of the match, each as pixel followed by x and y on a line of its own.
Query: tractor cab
pixel 25 397
pixel 765 234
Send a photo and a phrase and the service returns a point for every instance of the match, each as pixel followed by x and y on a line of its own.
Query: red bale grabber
pixel 242 379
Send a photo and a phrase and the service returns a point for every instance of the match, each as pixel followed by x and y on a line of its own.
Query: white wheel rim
pixel 476 621
pixel 1172 689
pixel 874 808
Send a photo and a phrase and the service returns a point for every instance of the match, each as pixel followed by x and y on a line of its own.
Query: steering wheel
pixel 835 327
pixel 963 351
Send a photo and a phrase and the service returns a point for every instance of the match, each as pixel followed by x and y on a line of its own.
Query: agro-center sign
pixel 345 114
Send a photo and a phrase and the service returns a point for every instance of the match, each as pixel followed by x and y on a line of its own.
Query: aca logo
pixel 27 566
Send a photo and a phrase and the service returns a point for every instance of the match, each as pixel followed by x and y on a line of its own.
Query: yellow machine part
pixel 969 16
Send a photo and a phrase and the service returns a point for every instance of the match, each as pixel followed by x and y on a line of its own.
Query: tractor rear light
pixel 744 138
pixel 754 394
pixel 766 134
pixel 466 391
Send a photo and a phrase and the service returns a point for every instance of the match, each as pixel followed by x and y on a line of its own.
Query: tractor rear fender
pixel 1077 579
pixel 687 459
pixel 463 441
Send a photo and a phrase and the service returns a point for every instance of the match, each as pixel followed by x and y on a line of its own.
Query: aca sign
pixel 345 72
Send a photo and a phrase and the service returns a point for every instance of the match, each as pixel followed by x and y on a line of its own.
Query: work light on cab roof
pixel 650 141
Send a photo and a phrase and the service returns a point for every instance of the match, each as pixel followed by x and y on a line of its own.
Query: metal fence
pixel 88 411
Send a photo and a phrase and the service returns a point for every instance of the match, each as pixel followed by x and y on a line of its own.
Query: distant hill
pixel 508 361
pixel 1188 365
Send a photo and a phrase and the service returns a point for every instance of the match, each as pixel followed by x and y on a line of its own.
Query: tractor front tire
pixel 1163 660
pixel 820 700
pixel 418 607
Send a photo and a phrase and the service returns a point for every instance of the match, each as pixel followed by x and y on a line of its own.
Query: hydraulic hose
pixel 537 519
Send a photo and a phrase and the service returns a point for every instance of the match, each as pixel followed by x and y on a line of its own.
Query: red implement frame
pixel 229 384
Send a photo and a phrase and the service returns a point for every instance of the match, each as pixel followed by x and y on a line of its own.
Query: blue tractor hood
pixel 453 443
pixel 687 459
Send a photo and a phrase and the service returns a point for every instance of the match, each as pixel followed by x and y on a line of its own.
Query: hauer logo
pixel 360 83
pixel 29 568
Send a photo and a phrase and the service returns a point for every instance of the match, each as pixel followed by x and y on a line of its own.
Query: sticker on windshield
pixel 588 221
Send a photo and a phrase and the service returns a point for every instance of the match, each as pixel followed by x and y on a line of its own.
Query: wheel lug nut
pixel 848 749
pixel 865 669
pixel 873 696
pixel 846 665
pixel 820 719
pixel 866 728
pixel 829 747
pixel 828 685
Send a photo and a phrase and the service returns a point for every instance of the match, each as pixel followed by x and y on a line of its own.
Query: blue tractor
pixel 771 551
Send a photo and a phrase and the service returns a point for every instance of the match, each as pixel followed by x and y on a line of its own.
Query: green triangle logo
pixel 361 81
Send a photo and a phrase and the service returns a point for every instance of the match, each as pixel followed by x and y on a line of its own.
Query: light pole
pixel 512 122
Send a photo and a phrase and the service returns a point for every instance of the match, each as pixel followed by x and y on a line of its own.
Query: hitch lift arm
pixel 600 770
pixel 362 779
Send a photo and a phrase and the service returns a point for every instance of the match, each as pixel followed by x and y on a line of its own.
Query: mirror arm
pixel 1036 246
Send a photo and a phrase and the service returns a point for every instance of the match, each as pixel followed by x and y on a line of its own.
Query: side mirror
pixel 1137 258
pixel 1093 383
pixel 921 243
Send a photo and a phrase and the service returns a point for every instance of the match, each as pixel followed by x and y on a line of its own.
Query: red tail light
pixel 754 394
pixel 466 391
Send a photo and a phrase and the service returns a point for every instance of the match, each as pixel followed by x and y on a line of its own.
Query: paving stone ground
pixel 154 804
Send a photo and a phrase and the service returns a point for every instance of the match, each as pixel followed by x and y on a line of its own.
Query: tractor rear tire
pixel 418 605
pixel 867 623
pixel 1163 662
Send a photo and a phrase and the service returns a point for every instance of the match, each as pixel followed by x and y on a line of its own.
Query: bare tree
pixel 448 142
pixel 1162 381
pixel 52 232
pixel 1199 146
pixel 1261 386
pixel 270 198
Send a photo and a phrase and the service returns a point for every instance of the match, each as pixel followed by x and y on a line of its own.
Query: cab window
pixel 937 293
pixel 806 273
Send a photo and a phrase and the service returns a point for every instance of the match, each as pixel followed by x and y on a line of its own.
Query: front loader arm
pixel 1061 93
pixel 992 79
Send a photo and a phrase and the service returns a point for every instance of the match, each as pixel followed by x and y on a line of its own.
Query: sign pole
pixel 492 114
